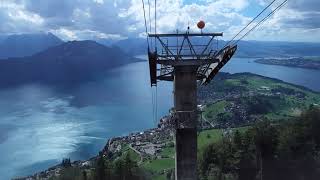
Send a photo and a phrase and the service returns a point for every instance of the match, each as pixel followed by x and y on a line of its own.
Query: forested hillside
pixel 270 151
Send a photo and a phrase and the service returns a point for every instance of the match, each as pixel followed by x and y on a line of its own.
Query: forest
pixel 268 150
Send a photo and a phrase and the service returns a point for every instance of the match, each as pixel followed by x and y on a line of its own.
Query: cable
pixel 155 23
pixel 146 29
pixel 263 20
pixel 145 22
pixel 250 22
pixel 156 104
pixel 155 16
pixel 152 100
pixel 149 15
pixel 153 94
pixel 217 43
pixel 150 26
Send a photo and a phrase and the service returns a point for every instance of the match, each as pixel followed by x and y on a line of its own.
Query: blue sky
pixel 120 19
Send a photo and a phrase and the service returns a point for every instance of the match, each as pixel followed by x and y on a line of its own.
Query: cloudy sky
pixel 298 20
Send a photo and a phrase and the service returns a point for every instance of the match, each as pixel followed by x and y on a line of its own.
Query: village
pixel 144 143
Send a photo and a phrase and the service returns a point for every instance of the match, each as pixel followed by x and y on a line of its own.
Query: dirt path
pixel 141 158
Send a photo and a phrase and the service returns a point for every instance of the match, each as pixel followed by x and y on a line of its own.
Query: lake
pixel 40 125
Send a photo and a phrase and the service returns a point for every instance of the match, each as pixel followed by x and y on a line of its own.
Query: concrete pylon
pixel 185 104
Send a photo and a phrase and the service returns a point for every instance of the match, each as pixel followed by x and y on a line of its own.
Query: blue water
pixel 39 125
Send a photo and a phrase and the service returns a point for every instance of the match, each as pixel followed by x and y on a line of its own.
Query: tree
pixel 129 165
pixel 66 162
pixel 266 141
pixel 237 140
pixel 100 168
pixel 218 160
pixel 84 174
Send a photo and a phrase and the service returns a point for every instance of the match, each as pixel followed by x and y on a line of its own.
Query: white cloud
pixel 86 34
pixel 294 22
pixel 65 34
pixel 20 15
pixel 81 13
pixel 15 19
pixel 220 15
pixel 99 1
pixel 80 19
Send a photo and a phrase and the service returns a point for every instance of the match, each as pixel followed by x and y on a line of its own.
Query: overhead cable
pixel 263 20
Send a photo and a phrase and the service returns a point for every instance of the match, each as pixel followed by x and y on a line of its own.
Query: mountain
pixel 21 45
pixel 138 46
pixel 66 64
pixel 133 46
pixel 106 42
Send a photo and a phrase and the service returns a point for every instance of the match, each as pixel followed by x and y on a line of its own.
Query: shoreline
pixel 291 62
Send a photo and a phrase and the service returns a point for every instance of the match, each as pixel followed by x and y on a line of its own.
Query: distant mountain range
pixel 66 64
pixel 29 44
pixel 134 46
pixel 21 45
pixel 138 46
pixel 44 58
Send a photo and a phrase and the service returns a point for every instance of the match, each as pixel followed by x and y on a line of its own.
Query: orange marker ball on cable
pixel 201 24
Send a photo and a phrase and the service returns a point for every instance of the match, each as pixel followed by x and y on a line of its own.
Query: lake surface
pixel 39 125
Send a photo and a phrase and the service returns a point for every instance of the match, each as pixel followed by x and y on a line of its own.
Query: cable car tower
pixel 185 59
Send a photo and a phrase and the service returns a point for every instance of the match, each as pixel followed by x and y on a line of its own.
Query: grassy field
pixel 208 136
pixel 167 152
pixel 217 109
pixel 159 165
pixel 292 102
pixel 133 155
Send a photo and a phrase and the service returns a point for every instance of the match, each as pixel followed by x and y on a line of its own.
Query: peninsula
pixel 299 62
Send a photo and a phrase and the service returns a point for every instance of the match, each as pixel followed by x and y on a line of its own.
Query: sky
pixel 298 20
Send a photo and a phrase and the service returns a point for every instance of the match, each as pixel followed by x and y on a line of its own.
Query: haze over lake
pixel 40 125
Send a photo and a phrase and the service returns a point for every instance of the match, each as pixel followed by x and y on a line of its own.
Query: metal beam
pixel 223 57
pixel 184 55
pixel 187 63
pixel 171 77
pixel 185 34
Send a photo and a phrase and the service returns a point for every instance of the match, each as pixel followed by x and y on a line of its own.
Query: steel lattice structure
pixel 185 52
